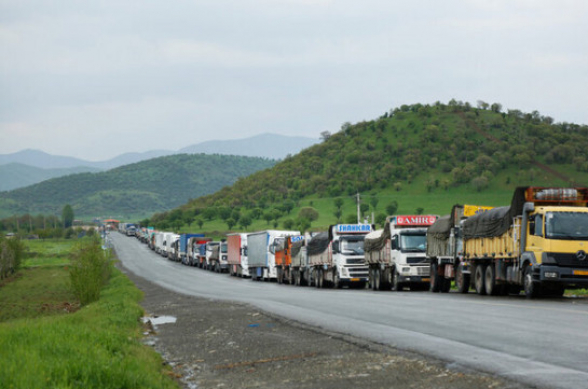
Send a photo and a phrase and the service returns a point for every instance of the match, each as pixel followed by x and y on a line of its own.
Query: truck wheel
pixel 479 279
pixel 462 281
pixel 396 284
pixel 532 290
pixel 446 285
pixel 320 280
pixel 336 280
pixel 435 285
pixel 490 280
pixel 280 276
pixel 377 285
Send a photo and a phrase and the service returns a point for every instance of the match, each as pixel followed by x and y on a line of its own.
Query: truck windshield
pixel 413 242
pixel 566 225
pixel 224 248
pixel 352 246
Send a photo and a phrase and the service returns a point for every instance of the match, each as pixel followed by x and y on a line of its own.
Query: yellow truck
pixel 538 244
pixel 444 251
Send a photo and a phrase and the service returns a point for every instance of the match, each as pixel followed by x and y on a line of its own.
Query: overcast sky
pixel 94 79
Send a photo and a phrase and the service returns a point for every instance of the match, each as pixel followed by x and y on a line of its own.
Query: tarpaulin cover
pixel 375 241
pixel 318 243
pixel 497 221
pixel 296 246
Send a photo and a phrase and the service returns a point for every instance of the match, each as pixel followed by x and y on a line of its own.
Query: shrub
pixel 11 254
pixel 90 270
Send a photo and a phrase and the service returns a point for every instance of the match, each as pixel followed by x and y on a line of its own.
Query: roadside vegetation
pixel 51 337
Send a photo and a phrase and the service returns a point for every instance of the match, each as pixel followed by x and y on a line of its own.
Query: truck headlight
pixel 406 270
pixel 551 274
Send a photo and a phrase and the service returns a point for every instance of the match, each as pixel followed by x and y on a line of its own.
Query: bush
pixel 11 255
pixel 90 270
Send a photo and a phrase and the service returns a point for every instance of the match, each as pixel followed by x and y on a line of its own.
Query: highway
pixel 536 342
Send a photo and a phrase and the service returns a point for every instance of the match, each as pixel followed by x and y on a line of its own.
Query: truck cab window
pixel 538 225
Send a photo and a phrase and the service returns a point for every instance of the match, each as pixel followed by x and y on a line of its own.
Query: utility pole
pixel 358 209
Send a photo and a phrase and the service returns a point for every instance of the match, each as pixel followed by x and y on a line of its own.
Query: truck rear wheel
pixel 462 281
pixel 490 280
pixel 479 279
pixel 436 281
pixel 377 279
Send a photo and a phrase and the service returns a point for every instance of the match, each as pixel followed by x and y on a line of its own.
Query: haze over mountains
pixel 28 167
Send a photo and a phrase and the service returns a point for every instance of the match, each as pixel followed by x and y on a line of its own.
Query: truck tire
pixel 336 280
pixel 377 279
pixel 320 279
pixel 532 290
pixel 446 286
pixel 462 281
pixel 490 280
pixel 435 285
pixel 280 276
pixel 479 279
pixel 397 286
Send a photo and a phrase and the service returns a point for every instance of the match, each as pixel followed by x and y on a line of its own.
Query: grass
pixel 48 252
pixel 97 346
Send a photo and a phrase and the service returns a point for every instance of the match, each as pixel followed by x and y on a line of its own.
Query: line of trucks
pixel 538 245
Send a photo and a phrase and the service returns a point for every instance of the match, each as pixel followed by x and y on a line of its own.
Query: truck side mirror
pixel 336 247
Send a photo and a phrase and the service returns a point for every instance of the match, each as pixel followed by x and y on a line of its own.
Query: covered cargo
pixel 237 254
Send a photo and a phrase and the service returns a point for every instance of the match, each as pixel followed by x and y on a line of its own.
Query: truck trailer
pixel 445 249
pixel 286 248
pixel 261 248
pixel 337 256
pixel 539 243
pixel 237 255
pixel 396 254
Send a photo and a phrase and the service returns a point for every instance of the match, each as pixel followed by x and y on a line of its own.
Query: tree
pixel 230 223
pixel 325 135
pixel 200 222
pixel 67 215
pixel 338 202
pixel 308 213
pixel 420 210
pixel 392 208
pixel 245 222
pixel 374 202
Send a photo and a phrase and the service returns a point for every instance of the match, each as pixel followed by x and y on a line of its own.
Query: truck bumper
pixel 567 276
pixel 414 279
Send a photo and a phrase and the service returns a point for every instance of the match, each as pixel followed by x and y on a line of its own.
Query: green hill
pixel 423 157
pixel 135 190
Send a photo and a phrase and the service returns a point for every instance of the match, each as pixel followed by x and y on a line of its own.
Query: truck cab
pixel 408 244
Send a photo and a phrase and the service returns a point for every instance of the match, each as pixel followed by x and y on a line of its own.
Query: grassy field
pixel 47 341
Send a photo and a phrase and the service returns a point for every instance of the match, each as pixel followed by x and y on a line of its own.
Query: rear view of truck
pixel 237 255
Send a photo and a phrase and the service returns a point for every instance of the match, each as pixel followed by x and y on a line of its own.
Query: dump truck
pixel 286 248
pixel 261 259
pixel 301 270
pixel 445 249
pixel 396 254
pixel 538 244
pixel 237 255
pixel 336 256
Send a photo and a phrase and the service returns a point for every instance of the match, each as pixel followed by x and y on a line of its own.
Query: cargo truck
pixel 337 256
pixel 285 248
pixel 539 243
pixel 261 253
pixel 300 268
pixel 396 254
pixel 216 256
pixel 180 247
pixel 237 255
pixel 445 250
pixel 171 245
pixel 194 253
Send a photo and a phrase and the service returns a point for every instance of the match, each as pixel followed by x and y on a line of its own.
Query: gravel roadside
pixel 216 344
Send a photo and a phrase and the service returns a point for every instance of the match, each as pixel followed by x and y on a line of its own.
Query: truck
pixel 261 247
pixel 194 253
pixel 285 248
pixel 180 249
pixel 171 245
pixel 237 255
pixel 216 256
pixel 537 244
pixel 158 239
pixel 301 270
pixel 396 254
pixel 336 256
pixel 445 249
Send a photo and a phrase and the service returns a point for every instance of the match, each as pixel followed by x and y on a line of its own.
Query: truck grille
pixel 413 260
pixel 355 261
pixel 423 271
pixel 569 260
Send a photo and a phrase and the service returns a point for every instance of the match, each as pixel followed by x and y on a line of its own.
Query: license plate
pixel 355 280
pixel 426 280
pixel 581 272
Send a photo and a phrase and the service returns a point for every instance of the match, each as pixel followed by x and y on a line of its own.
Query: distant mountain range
pixel 28 167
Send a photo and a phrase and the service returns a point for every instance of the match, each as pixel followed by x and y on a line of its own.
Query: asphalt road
pixel 543 343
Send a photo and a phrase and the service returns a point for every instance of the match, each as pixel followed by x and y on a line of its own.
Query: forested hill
pixel 421 150
pixel 141 188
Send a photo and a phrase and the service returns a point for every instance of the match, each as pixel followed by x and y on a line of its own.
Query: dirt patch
pixel 216 344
